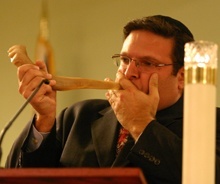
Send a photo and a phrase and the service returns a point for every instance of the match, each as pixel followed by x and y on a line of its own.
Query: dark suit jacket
pixel 86 133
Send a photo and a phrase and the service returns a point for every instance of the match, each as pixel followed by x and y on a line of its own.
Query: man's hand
pixel 133 108
pixel 44 102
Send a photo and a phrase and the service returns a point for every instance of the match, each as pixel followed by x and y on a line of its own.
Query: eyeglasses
pixel 143 64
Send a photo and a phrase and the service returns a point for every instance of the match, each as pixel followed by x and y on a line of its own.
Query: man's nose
pixel 135 62
pixel 132 70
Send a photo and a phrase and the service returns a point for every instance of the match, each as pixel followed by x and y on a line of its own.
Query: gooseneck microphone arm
pixel 8 125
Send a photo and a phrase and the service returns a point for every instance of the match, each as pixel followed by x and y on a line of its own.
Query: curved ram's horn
pixel 18 55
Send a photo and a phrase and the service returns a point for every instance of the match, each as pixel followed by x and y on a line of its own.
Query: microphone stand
pixel 8 125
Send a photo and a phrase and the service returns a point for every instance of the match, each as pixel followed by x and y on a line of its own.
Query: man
pixel 149 107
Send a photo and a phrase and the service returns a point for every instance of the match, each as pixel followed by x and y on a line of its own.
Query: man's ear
pixel 180 78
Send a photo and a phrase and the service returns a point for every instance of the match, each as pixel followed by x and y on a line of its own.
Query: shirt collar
pixel 170 114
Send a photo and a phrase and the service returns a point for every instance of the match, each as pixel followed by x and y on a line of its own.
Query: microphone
pixel 8 125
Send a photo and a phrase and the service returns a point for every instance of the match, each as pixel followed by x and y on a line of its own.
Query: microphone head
pixel 46 81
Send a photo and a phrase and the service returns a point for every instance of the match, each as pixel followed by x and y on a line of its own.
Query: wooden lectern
pixel 72 176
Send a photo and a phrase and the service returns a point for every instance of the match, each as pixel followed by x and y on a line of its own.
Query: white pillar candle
pixel 199 126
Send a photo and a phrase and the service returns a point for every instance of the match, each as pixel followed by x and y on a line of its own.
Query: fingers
pixel 25 69
pixel 41 65
pixel 30 75
pixel 111 95
pixel 124 82
pixel 27 90
pixel 38 69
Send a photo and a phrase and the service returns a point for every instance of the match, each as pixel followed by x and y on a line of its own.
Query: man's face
pixel 144 44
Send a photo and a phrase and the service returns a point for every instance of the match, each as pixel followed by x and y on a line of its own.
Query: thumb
pixel 153 85
pixel 42 66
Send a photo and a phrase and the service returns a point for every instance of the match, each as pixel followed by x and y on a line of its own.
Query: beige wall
pixel 84 34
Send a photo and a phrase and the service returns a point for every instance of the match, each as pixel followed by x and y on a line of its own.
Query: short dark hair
pixel 167 27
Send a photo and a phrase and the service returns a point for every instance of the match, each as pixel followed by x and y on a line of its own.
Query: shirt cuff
pixel 35 139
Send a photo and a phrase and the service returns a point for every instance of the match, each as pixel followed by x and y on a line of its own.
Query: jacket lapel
pixel 103 133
